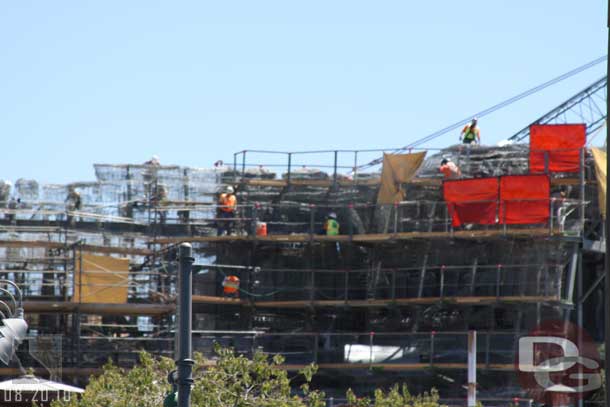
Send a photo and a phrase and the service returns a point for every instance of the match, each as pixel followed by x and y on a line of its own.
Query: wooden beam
pixel 325 183
pixel 205 299
pixel 365 238
pixel 97 308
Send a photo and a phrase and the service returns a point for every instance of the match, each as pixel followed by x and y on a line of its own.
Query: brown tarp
pixel 397 169
pixel 101 279
pixel 600 173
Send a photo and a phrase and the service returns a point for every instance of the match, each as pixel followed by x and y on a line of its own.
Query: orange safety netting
pixel 556 147
pixel 524 199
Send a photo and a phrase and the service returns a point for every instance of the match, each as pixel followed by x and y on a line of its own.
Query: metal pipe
pixel 16 289
pixel 472 368
pixel 7 292
pixel 185 362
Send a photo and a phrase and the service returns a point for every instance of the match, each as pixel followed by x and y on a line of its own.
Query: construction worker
pixel 471 133
pixel 449 169
pixel 73 203
pixel 331 226
pixel 227 204
pixel 159 200
pixel 230 286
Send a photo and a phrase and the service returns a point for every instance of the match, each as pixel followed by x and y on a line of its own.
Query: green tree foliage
pixel 233 381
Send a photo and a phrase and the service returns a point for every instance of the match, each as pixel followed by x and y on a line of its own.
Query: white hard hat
pixel 230 190
pixel 332 215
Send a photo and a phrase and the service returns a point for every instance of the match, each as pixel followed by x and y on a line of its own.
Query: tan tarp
pixel 103 279
pixel 397 169
pixel 600 173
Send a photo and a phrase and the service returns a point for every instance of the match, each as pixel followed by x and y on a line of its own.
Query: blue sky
pixel 85 82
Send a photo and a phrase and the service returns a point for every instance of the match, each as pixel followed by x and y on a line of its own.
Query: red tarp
pixel 562 143
pixel 524 199
pixel 472 200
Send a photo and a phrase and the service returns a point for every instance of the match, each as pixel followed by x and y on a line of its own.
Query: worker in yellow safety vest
pixel 471 133
pixel 227 204
pixel 331 226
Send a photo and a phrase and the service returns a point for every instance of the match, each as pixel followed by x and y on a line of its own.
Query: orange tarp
pixel 524 199
pixel 560 144
pixel 397 169
pixel 101 279
pixel 472 200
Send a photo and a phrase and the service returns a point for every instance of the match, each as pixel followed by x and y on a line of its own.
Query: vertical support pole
pixel 395 217
pixel 432 334
pixel 607 256
pixel 498 279
pixel 289 169
pixel 472 368
pixel 371 336
pixel 243 164
pixel 582 191
pixel 355 175
pixel 312 224
pixel 579 314
pixel 552 213
pixel 393 284
pixel 235 168
pixel 346 286
pixel 473 276
pixel 335 170
pixel 185 328
pixel 442 282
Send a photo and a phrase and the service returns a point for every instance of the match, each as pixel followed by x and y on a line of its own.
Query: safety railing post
pixel 395 217
pixel 235 167
pixel 350 226
pixel 254 221
pixel 335 169
pixel 355 175
pixel 243 164
pixel 288 174
pixel 312 216
pixel 315 347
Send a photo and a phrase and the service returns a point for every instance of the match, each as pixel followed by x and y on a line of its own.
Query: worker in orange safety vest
pixel 230 286
pixel 449 169
pixel 227 204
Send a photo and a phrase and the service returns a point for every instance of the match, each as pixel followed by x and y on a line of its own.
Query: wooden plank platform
pixel 204 299
pixel 97 308
pixel 366 238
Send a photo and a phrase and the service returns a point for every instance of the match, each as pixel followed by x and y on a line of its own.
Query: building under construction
pixel 417 263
